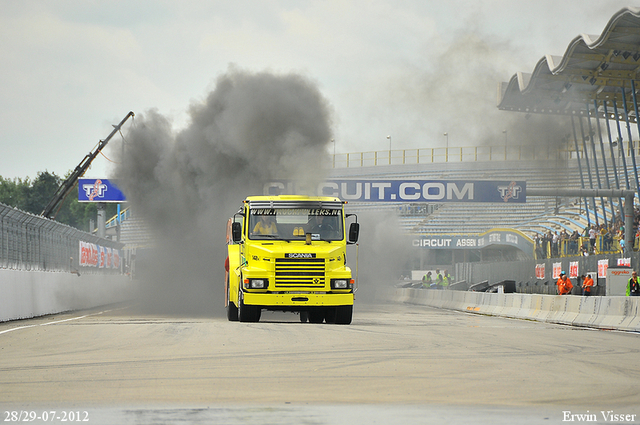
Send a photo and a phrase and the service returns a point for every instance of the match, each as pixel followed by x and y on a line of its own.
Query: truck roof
pixel 293 198
pixel 294 201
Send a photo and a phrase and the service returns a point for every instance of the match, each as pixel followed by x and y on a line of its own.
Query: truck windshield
pixel 294 223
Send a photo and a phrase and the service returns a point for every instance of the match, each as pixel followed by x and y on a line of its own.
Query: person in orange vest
pixel 564 284
pixel 587 285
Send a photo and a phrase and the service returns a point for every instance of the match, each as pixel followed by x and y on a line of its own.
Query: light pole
pixel 334 152
pixel 446 152
pixel 505 144
pixel 389 137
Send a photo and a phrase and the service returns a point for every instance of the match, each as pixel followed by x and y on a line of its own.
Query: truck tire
pixel 316 315
pixel 330 315
pixel 343 315
pixel 304 316
pixel 232 309
pixel 247 313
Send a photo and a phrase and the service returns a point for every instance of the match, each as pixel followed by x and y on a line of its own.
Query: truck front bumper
pixel 295 300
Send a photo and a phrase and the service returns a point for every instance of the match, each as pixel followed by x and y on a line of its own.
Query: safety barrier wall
pixel 27 294
pixel 621 313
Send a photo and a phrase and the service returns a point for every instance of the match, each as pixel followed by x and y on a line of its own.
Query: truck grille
pixel 299 272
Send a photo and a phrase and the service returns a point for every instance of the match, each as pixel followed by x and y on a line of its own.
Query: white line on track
pixel 54 322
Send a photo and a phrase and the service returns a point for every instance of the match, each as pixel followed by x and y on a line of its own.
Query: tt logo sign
pixel 512 191
pixel 95 190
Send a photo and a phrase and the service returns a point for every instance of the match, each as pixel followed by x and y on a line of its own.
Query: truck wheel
pixel 330 315
pixel 247 313
pixel 316 315
pixel 304 316
pixel 232 311
pixel 344 313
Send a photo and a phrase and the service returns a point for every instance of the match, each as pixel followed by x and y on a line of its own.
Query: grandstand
pixel 539 214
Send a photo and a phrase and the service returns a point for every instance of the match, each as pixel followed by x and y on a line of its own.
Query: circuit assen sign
pixel 499 191
pixel 492 237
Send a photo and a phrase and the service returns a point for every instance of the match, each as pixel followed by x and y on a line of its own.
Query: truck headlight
pixel 340 283
pixel 256 283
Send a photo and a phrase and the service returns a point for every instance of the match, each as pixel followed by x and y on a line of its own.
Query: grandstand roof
pixel 592 68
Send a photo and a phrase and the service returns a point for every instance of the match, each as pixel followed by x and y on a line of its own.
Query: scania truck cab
pixel 289 253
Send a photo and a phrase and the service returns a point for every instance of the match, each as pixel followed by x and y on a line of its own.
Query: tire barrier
pixel 612 313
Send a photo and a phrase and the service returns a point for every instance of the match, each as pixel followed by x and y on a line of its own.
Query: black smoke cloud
pixel 252 128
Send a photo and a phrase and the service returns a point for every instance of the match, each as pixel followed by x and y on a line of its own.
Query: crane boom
pixel 68 185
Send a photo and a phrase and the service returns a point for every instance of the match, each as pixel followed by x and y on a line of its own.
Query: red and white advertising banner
pixel 539 271
pixel 88 254
pixel 108 265
pixel 557 269
pixel 116 259
pixel 101 256
pixel 624 262
pixel 573 269
pixel 603 265
pixel 92 255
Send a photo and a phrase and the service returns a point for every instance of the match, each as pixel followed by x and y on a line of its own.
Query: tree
pixel 41 192
pixel 12 192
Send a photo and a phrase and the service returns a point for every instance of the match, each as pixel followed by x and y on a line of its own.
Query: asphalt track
pixel 395 363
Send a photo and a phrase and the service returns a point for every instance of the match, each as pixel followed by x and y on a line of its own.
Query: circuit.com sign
pixel 412 190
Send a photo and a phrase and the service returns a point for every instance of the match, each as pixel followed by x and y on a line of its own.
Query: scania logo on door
pixel 300 255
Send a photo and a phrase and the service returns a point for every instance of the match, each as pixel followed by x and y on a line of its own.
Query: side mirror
pixel 236 232
pixel 354 232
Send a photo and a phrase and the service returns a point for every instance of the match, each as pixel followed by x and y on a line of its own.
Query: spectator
pixel 555 241
pixel 564 285
pixel 587 285
pixel 607 239
pixel 584 250
pixel 573 242
pixel 592 238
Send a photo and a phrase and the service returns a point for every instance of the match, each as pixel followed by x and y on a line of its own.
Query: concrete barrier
pixel 513 306
pixel 588 313
pixel 613 311
pixel 632 322
pixel 596 311
pixel 26 294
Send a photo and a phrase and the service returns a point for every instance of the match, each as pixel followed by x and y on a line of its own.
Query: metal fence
pixel 31 242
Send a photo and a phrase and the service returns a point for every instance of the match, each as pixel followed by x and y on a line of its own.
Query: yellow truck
pixel 289 253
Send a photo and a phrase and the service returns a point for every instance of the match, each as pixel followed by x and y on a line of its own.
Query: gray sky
pixel 409 69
